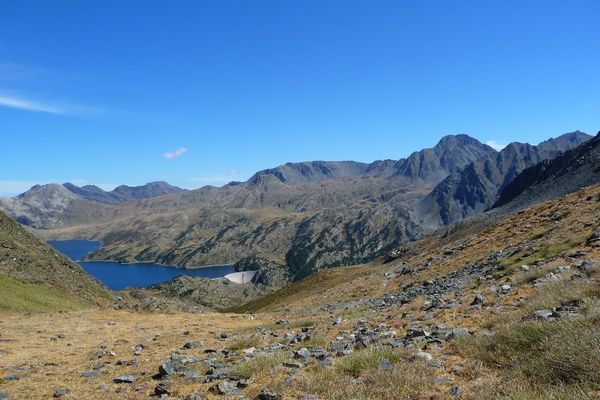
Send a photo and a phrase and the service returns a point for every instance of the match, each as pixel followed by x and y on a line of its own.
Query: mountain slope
pixel 33 274
pixel 549 179
pixel 453 152
pixel 477 187
pixel 304 216
pixel 51 206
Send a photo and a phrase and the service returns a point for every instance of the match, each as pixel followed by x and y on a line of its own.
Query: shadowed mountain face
pixel 307 216
pixel 123 193
pixel 550 179
pixel 478 186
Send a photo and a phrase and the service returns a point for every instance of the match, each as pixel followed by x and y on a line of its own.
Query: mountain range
pixel 123 193
pixel 303 217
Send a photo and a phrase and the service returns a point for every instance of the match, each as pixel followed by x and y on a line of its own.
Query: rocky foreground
pixel 508 311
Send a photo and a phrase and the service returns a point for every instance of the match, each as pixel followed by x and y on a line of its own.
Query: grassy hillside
pixel 34 276
pixel 30 297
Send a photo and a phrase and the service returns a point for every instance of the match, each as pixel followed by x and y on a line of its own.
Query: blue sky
pixel 204 92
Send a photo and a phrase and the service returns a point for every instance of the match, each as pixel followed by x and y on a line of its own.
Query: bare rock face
pixel 478 186
pixel 549 179
pixel 269 273
pixel 218 294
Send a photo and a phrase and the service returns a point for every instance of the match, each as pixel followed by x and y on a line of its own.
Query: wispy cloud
pixel 171 155
pixel 495 145
pixel 23 103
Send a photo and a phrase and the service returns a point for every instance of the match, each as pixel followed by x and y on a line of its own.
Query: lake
pixel 117 276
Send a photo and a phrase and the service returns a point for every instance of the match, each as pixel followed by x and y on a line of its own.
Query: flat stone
pixel 293 364
pixel 226 389
pixel 3 395
pixel 505 288
pixel 160 390
pixel 384 365
pixel 124 379
pixel 303 353
pixel 191 375
pixel 266 394
pixel 166 369
pixel 543 314
pixel 58 393
pixel 455 390
pixel 91 374
pixel 244 383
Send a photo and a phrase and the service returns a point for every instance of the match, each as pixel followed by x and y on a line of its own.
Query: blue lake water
pixel 117 276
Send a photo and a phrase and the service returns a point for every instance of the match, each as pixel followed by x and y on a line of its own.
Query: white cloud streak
pixel 171 155
pixel 495 145
pixel 21 103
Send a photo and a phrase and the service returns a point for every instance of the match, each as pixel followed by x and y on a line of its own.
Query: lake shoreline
pixel 155 263
pixel 120 275
pixel 85 259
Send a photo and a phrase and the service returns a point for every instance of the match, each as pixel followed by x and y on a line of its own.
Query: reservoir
pixel 117 276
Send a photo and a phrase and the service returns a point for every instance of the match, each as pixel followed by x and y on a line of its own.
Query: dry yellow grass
pixel 51 363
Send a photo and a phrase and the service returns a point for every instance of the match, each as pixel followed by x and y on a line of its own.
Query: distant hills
pixel 301 216
pixel 123 193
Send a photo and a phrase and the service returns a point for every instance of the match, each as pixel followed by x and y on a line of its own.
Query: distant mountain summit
pixel 569 172
pixel 123 193
pixel 312 171
pixel 477 187
pixel 451 153
pixel 427 165
pixel 53 205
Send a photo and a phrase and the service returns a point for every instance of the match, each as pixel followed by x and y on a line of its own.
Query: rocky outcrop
pixel 567 173
pixel 477 187
pixel 216 294
pixel 269 273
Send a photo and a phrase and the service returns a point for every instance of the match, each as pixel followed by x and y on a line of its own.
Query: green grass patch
pixel 367 359
pixel 407 379
pixel 356 312
pixel 315 341
pixel 561 352
pixel 258 365
pixel 510 265
pixel 244 343
pixel 19 296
